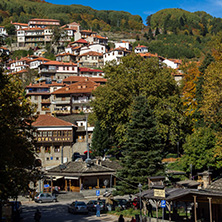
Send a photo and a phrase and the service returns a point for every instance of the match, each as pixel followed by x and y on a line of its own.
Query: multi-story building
pixel 54 139
pixel 91 59
pixel 115 54
pixel 74 79
pixel 124 44
pixel 57 71
pixel 74 98
pixel 141 49
pixel 40 94
pixel 95 47
pixel 42 23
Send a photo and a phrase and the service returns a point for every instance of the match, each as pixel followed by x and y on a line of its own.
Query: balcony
pixel 67 101
pixel 45 109
pixel 59 111
pixel 80 101
pixel 46 101
pixel 51 70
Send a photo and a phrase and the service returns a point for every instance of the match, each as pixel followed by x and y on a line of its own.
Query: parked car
pixel 78 207
pixel 91 205
pixel 45 197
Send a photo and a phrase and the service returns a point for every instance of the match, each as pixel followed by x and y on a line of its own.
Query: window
pixel 63 67
pixel 34 134
pixel 47 158
pixel 69 133
pixel 49 133
pixel 56 149
pixel 57 158
pixel 54 133
pixel 59 133
pixel 44 134
pixel 65 133
pixel 40 133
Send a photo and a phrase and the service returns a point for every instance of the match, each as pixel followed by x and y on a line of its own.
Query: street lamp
pixel 140 189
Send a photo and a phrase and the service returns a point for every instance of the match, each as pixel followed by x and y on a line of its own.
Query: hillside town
pixel 62 91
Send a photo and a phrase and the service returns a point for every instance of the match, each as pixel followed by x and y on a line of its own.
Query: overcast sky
pixel 147 7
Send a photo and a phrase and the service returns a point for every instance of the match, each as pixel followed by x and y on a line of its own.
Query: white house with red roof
pixel 35 63
pixel 54 139
pixel 123 44
pixel 141 49
pixel 95 47
pixel 115 55
pixel 19 64
pixel 19 25
pixel 57 71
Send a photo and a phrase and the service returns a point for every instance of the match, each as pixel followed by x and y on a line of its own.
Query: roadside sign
pixel 163 203
pixel 97 192
pixel 46 185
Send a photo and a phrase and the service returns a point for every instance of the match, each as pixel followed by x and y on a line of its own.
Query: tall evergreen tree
pixel 142 151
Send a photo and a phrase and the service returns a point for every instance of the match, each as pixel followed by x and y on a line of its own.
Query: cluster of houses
pixel 62 91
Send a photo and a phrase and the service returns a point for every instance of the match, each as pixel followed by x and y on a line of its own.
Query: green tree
pixel 100 140
pixel 199 150
pixel 142 150
pixel 133 76
pixel 10 29
pixel 17 165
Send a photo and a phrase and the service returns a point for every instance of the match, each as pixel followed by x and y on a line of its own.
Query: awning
pixel 57 177
pixel 71 178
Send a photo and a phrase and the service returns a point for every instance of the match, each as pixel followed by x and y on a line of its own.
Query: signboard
pixel 46 185
pixel 163 203
pixel 97 192
pixel 54 139
pixel 159 192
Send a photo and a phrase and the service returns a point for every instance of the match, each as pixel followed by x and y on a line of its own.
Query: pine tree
pixel 142 151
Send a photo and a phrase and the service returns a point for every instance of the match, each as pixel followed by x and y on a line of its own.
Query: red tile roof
pixel 44 20
pixel 81 41
pixel 120 49
pixel 82 78
pixel 22 24
pixel 141 46
pixel 82 69
pixel 65 54
pixel 85 85
pixel 47 120
pixel 60 63
pixel 40 59
pixel 31 29
pixel 101 37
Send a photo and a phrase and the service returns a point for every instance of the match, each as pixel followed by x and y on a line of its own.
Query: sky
pixel 148 7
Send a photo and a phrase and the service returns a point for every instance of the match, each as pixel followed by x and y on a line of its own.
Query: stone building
pixel 54 139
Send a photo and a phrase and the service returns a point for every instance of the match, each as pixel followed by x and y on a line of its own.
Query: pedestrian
pixel 149 208
pixel 133 219
pixel 121 219
pixel 98 210
pixel 37 216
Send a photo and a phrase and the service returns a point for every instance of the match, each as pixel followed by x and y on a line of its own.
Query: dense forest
pixel 23 10
pixel 176 33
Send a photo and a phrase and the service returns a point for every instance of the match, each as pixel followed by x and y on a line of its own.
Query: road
pixel 57 212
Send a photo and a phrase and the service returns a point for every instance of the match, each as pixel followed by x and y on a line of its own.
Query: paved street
pixel 58 212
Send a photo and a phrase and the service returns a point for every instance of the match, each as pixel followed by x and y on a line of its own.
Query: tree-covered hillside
pixel 178 20
pixel 23 10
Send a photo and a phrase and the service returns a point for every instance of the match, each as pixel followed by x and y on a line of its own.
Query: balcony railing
pixel 61 101
pixel 61 111
pixel 80 101
pixel 48 70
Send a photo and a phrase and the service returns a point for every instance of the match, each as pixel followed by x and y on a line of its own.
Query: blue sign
pixel 163 203
pixel 97 192
pixel 46 185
